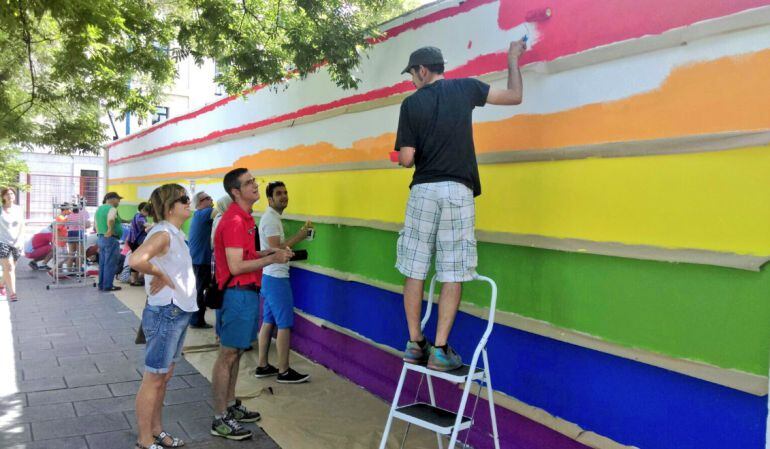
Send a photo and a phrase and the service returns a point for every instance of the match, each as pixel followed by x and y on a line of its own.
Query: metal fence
pixel 45 190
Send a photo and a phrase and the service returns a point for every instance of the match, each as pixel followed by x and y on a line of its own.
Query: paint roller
pixel 536 16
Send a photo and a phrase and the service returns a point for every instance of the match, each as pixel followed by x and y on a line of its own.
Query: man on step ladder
pixel 435 135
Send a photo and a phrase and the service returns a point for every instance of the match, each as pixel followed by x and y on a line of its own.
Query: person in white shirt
pixel 278 308
pixel 171 300
pixel 11 230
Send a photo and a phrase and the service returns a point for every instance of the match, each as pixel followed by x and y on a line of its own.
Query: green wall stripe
pixel 710 314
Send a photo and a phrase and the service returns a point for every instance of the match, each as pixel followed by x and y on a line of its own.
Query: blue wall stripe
pixel 627 401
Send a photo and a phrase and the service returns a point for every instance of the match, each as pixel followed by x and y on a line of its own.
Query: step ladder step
pixel 456 376
pixel 431 418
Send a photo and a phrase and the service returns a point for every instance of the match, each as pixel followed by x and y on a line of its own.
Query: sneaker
pixel 229 428
pixel 292 377
pixel 441 360
pixel 266 371
pixel 415 354
pixel 241 414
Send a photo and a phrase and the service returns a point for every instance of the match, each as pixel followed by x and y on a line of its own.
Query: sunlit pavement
pixel 69 372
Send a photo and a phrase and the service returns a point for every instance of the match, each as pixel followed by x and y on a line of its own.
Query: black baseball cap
pixel 112 195
pixel 424 56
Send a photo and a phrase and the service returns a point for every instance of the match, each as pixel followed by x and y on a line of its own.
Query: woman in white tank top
pixel 165 260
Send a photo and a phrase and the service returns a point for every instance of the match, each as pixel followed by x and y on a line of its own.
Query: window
pixel 219 91
pixel 89 187
pixel 161 114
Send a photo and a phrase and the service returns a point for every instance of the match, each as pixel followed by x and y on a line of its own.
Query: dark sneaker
pixel 229 428
pixel 415 354
pixel 266 371
pixel 441 360
pixel 292 377
pixel 241 413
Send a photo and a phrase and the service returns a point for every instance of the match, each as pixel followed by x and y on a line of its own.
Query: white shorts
pixel 440 219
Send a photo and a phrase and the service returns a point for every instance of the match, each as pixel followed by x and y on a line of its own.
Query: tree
pixel 10 167
pixel 66 63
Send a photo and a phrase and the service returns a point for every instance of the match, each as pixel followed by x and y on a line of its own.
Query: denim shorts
pixel 237 319
pixel 279 302
pixel 165 328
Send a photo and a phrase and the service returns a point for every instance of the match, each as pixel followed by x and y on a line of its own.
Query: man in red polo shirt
pixel 239 266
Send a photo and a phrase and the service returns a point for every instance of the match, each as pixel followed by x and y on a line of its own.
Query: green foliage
pixel 10 167
pixel 67 62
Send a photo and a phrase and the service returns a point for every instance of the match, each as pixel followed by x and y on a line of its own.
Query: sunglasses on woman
pixel 184 199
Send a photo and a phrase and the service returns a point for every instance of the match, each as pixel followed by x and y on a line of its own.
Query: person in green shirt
pixel 109 231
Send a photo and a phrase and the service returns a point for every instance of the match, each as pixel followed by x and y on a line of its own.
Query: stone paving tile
pixel 36 372
pixel 13 400
pixel 46 412
pixel 37 364
pixel 98 348
pixel 34 345
pixel 59 443
pixel 102 333
pixel 14 433
pixel 195 394
pixel 82 425
pixel 130 388
pixel 83 380
pixel 105 359
pixel 53 352
pixel 124 365
pixel 106 405
pixel 181 412
pixel 127 438
pixel 196 380
pixel 69 337
pixel 184 368
pixel 69 395
pixel 44 384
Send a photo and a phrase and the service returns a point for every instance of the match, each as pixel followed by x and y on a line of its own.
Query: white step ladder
pixel 429 416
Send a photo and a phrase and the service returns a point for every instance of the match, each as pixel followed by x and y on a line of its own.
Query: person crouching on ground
pixel 165 261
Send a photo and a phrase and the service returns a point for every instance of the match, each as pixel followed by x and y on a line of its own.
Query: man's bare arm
pixel 237 265
pixel 515 92
pixel 406 156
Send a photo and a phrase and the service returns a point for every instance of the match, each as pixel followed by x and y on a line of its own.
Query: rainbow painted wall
pixel 625 214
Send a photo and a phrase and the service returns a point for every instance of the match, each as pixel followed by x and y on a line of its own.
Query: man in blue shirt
pixel 200 250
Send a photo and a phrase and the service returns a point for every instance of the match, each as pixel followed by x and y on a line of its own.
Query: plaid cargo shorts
pixel 439 219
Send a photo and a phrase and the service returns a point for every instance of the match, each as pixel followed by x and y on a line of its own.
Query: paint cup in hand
pixel 394 156
pixel 310 234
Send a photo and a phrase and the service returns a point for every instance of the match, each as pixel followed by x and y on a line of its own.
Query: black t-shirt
pixel 437 121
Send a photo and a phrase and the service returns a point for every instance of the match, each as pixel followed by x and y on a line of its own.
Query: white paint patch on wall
pixel 544 93
pixel 379 68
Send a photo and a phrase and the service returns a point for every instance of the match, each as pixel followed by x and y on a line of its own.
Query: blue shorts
pixel 279 302
pixel 237 319
pixel 165 328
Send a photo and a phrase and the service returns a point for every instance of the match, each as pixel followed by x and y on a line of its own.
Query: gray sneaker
pixel 241 414
pixel 416 354
pixel 229 428
pixel 441 360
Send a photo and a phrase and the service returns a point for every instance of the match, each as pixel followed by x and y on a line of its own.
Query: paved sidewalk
pixel 77 371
